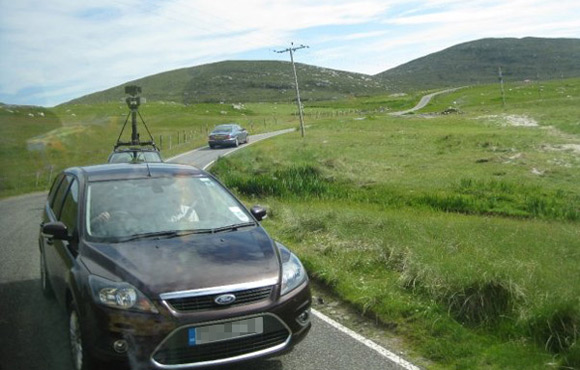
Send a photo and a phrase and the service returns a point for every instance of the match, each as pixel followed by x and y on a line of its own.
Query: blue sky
pixel 52 51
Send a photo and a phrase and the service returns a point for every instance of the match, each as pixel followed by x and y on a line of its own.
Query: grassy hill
pixel 477 62
pixel 245 81
pixel 470 63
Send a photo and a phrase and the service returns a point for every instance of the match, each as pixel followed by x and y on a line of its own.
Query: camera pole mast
pixel 133 102
pixel 291 50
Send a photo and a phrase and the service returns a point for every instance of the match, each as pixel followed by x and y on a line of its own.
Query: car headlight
pixel 293 273
pixel 121 295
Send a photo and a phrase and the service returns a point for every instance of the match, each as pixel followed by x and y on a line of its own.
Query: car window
pixel 120 158
pixel 70 207
pixel 127 157
pixel 60 195
pixel 225 128
pixel 139 206
pixel 54 189
pixel 149 157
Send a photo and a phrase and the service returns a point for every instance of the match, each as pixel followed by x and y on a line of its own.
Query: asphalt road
pixel 424 101
pixel 33 330
pixel 204 157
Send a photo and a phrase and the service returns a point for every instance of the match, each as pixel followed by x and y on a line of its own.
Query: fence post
pixel 50 174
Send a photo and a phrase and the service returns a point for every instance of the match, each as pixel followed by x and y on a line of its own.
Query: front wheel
pixel 80 356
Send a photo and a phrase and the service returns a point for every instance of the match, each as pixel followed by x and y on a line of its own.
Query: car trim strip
pixel 219 289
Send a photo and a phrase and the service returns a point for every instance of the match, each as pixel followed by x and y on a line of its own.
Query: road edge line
pixel 367 342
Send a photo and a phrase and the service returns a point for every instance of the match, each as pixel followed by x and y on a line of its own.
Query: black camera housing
pixel 132 90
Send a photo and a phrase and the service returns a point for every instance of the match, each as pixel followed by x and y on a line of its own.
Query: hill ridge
pixel 473 62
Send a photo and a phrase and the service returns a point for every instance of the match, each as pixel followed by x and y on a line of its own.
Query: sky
pixel 52 51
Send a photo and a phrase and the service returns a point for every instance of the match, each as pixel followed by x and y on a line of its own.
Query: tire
pixel 81 359
pixel 47 290
pixel 211 146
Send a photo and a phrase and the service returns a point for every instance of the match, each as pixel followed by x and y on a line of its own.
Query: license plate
pixel 226 331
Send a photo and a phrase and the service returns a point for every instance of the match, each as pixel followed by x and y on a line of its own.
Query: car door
pixel 60 254
pixel 241 134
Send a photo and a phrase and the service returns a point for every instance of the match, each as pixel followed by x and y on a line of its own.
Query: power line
pixel 292 49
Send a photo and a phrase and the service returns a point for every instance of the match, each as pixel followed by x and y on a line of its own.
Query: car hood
pixel 186 263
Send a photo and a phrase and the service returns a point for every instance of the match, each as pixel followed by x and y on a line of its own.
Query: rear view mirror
pixel 259 212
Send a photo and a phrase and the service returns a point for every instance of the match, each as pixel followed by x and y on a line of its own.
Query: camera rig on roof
pixel 133 102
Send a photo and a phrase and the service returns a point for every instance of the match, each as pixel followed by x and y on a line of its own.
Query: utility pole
pixel 502 89
pixel 292 49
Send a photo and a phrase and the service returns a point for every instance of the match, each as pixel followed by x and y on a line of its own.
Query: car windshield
pixel 132 208
pixel 127 157
pixel 226 128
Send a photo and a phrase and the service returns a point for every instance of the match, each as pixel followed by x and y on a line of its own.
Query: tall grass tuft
pixel 305 181
pixel 558 329
pixel 481 302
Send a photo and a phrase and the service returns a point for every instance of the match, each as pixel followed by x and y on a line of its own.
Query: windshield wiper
pixel 168 234
pixel 233 227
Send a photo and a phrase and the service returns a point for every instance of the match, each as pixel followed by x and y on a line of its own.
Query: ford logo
pixel 225 299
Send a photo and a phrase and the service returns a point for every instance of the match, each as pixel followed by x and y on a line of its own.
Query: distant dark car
pixel 160 266
pixel 135 155
pixel 228 134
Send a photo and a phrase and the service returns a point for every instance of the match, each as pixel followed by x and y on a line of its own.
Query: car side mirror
pixel 57 230
pixel 259 212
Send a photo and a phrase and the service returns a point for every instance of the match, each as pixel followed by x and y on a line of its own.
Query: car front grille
pixel 175 350
pixel 207 302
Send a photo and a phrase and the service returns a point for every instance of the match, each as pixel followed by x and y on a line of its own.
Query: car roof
pixel 120 171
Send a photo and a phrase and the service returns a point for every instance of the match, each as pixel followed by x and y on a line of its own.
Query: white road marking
pixel 367 342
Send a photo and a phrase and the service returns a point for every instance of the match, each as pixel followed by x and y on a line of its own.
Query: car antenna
pixel 133 102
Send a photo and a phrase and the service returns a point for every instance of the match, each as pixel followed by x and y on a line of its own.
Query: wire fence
pixel 169 142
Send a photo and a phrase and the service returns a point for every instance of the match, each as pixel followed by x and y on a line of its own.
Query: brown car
pixel 160 266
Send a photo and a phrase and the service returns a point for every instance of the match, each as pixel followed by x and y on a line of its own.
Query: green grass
pixel 36 143
pixel 460 231
pixel 465 291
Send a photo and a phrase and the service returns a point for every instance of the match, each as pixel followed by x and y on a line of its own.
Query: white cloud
pixel 62 49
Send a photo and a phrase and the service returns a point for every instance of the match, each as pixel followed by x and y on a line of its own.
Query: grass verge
pixel 460 232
